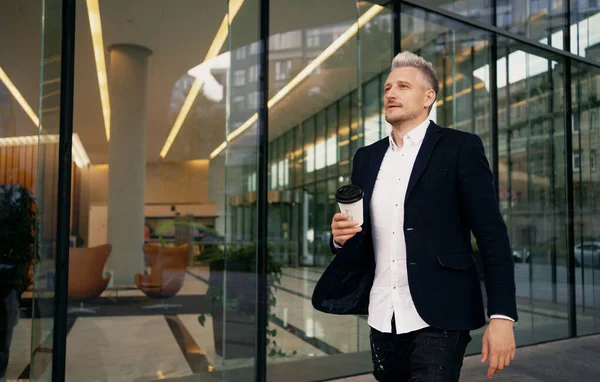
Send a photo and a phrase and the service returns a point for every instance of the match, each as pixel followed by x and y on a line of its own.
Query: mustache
pixel 393 105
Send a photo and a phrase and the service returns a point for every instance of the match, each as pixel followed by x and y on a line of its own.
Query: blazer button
pixel 410 229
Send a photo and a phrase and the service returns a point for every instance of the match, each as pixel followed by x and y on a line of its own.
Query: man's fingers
pixel 346 231
pixel 501 363
pixel 340 216
pixel 485 351
pixel 512 355
pixel 342 239
pixel 507 361
pixel 341 224
pixel 493 365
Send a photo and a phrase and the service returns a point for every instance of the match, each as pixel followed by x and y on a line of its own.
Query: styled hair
pixel 409 59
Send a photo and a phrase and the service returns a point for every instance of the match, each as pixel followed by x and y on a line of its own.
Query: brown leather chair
pixel 86 281
pixel 167 273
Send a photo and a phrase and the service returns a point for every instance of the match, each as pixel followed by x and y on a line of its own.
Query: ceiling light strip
pixel 330 50
pixel 98 43
pixel 185 109
pixel 19 98
pixel 213 51
pixel 81 153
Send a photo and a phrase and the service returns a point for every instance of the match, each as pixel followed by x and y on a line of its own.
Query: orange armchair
pixel 167 273
pixel 86 281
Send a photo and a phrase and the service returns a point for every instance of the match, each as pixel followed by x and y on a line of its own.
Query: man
pixel 410 265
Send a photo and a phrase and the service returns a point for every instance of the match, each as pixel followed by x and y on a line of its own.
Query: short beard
pixel 403 118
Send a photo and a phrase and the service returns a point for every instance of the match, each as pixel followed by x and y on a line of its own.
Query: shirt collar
pixel 416 135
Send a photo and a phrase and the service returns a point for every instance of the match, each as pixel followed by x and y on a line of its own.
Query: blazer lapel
pixel 373 166
pixel 433 134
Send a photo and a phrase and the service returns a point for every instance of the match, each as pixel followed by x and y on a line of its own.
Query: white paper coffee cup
pixel 350 201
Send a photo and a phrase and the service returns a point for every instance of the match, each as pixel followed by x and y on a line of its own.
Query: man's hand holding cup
pixel 343 229
pixel 347 223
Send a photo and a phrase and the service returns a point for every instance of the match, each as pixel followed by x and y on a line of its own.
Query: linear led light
pixel 79 154
pixel 96 31
pixel 213 51
pixel 19 98
pixel 331 49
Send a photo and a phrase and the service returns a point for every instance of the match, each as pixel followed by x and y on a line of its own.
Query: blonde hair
pixel 409 59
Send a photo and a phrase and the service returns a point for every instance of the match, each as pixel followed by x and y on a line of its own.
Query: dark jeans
pixel 9 316
pixel 426 355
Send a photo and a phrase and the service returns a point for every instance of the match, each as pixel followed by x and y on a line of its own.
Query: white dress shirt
pixel 390 293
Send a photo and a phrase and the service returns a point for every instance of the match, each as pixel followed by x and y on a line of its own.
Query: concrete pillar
pixel 128 75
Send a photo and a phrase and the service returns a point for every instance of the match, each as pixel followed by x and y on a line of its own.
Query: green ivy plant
pixel 245 256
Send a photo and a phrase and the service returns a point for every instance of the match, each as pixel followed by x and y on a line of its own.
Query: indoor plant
pixel 17 253
pixel 17 237
pixel 239 261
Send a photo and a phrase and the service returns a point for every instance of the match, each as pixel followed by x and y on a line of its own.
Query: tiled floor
pixel 125 342
pixel 123 349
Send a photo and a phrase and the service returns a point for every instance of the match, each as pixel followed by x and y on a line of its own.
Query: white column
pixel 128 74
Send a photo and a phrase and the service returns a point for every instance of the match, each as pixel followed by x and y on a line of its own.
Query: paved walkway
pixel 565 361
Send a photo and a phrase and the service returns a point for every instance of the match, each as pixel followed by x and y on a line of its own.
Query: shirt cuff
pixel 494 315
pixel 336 245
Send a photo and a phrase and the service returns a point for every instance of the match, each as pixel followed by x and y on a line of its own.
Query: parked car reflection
pixel 587 254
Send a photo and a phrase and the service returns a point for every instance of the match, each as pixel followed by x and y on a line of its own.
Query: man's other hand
pixel 498 345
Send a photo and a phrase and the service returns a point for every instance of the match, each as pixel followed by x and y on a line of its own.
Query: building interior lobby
pixel 165 172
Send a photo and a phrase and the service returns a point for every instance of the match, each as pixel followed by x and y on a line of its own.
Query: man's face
pixel 405 96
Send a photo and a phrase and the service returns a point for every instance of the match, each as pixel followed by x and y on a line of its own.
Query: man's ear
pixel 429 98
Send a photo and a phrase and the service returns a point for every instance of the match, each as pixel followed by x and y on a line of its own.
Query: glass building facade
pixel 183 160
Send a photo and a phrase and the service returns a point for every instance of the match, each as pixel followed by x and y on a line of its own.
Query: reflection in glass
pixel 586 143
pixel 29 126
pixel 164 213
pixel 532 186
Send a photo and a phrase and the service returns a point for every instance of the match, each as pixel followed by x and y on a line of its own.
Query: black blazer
pixel 450 193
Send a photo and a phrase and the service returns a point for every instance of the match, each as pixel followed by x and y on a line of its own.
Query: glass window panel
pixel 30 91
pixel 179 206
pixel 332 140
pixel 371 98
pixel 300 36
pixel 321 145
pixel 344 137
pixel 308 129
pixel 532 185
pixel 356 127
pixel 584 21
pixel 299 155
pixel 586 187
pixel 540 20
pixel 480 10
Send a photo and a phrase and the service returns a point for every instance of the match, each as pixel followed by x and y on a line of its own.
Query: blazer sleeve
pixel 353 175
pixel 478 196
